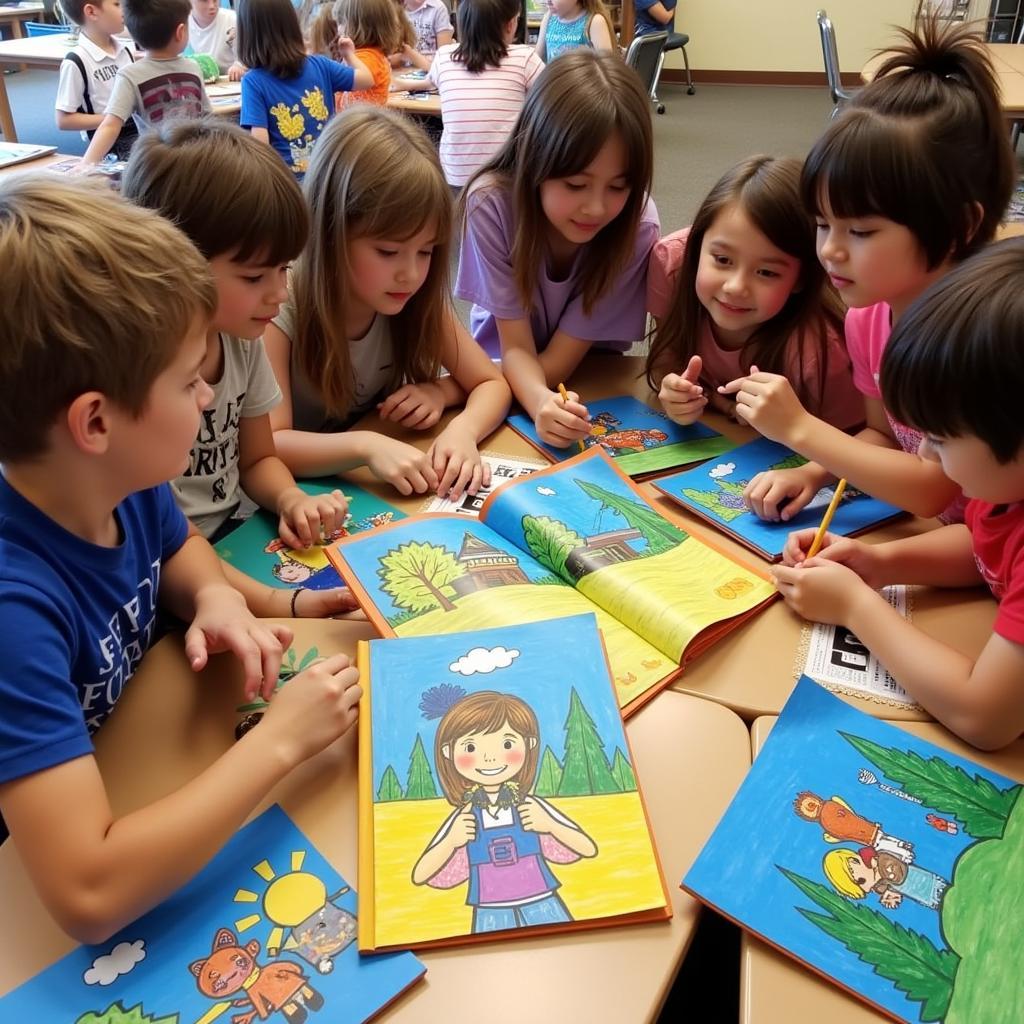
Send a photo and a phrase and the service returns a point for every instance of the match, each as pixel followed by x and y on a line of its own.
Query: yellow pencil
pixel 565 398
pixel 826 520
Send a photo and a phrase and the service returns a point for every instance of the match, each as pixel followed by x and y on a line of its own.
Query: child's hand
pixel 308 518
pixel 463 829
pixel 416 406
pixel 236 71
pixel 777 495
pixel 313 709
pixel 820 590
pixel 346 48
pixel 407 469
pixel 768 403
pixel 456 461
pixel 681 396
pixel 222 622
pixel 534 817
pixel 323 604
pixel 866 560
pixel 560 423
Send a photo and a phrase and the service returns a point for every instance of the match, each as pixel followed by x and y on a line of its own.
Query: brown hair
pixel 486 711
pixel 481 26
pixel 225 190
pixel 373 174
pixel 269 37
pixel 575 106
pixel 921 145
pixel 106 294
pixel 372 24
pixel 768 192
pixel 152 23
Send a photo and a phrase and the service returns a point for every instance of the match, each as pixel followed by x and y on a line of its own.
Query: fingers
pixel 693 369
pixel 195 648
pixel 797 545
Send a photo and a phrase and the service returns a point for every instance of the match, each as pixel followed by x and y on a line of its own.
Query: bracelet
pixel 295 597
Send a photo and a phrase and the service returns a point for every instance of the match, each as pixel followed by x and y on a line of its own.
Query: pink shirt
pixel 840 404
pixel 997 536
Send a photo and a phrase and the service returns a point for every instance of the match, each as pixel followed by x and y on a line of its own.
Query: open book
pixel 570 539
pixel 497 790
pixel 266 931
pixel 714 492
pixel 882 862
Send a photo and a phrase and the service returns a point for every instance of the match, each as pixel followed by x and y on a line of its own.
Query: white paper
pixel 503 469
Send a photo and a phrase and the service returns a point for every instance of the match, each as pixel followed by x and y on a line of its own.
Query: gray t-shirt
pixel 372 358
pixel 209 490
pixel 155 91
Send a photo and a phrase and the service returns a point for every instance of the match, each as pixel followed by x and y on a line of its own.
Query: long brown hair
pixel 372 24
pixel 768 192
pixel 373 174
pixel 576 105
pixel 481 26
pixel 269 37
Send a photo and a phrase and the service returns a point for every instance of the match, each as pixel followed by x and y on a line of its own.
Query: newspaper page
pixel 503 469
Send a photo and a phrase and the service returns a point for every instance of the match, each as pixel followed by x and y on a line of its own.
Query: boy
pixel 211 29
pixel 160 86
pixel 243 210
pixel 87 73
pixel 101 399
pixel 954 370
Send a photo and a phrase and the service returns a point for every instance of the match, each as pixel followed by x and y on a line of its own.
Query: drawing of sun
pixel 288 899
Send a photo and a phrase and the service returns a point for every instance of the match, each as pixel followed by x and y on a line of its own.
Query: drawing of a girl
pixel 499 837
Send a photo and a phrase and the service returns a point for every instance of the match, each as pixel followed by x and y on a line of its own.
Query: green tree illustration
pixel 924 973
pixel 414 576
pixel 549 778
pixel 390 787
pixel 981 807
pixel 585 770
pixel 622 772
pixel 550 542
pixel 793 461
pixel 659 533
pixel 117 1014
pixel 420 785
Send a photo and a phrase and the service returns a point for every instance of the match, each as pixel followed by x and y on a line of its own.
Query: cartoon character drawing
pixel 309 567
pixel 500 838
pixel 604 431
pixel 854 874
pixel 840 823
pixel 277 986
pixel 942 824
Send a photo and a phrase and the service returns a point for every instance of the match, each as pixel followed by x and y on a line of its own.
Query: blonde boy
pixel 100 398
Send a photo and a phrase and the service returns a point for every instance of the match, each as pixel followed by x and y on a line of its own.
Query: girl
pixel 482 81
pixel 913 177
pixel 743 286
pixel 431 28
pixel 376 31
pixel 570 24
pixel 370 314
pixel 557 232
pixel 286 94
pixel 486 751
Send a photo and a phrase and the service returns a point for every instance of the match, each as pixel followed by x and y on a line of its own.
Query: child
pixel 482 81
pixel 101 400
pixel 570 24
pixel 376 32
pixel 432 28
pixel 743 286
pixel 370 315
pixel 287 96
pixel 557 233
pixel 952 370
pixel 87 72
pixel 211 29
pixel 161 85
pixel 911 179
pixel 242 209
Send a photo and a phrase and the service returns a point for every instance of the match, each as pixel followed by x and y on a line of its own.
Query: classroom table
pixel 775 989
pixel 170 725
pixel 429 105
pixel 15 16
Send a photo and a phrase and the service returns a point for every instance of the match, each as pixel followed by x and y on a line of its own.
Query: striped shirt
pixel 479 110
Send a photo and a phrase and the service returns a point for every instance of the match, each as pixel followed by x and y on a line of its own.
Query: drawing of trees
pixel 659 533
pixel 414 576
pixel 117 1014
pixel 390 788
pixel 622 772
pixel 420 784
pixel 549 777
pixel 586 770
pixel 550 542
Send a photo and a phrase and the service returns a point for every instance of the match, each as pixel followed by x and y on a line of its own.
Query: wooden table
pixel 15 16
pixel 430 105
pixel 777 990
pixel 170 725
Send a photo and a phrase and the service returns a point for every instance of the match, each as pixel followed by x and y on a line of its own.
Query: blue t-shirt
pixel 294 110
pixel 645 24
pixel 77 619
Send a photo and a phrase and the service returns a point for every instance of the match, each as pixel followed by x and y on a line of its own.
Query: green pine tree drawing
pixel 622 772
pixel 420 784
pixel 980 807
pixel 549 778
pixel 586 770
pixel 924 973
pixel 390 788
pixel 117 1014
pixel 659 533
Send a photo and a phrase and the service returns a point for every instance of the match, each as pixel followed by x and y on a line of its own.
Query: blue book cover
pixel 266 931
pixel 639 439
pixel 881 861
pixel 714 492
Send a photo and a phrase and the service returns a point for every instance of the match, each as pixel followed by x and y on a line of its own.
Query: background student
pixel 376 28
pixel 432 28
pixel 211 30
pixel 569 24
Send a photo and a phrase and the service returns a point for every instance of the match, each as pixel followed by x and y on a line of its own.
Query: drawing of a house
pixel 486 567
pixel 602 549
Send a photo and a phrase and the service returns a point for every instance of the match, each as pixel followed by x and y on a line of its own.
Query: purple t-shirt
pixel 617 319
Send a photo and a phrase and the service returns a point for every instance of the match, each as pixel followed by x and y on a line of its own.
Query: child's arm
pixel 363 77
pixel 418 60
pixel 600 36
pixel 280 602
pixel 103 141
pixel 399 84
pixel 77 122
pixel 542 37
pixel 70 99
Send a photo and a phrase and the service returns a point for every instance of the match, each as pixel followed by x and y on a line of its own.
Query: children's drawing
pixel 714 491
pixel 641 439
pixel 887 900
pixel 500 789
pixel 503 469
pixel 115 1013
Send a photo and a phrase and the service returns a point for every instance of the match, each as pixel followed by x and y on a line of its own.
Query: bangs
pixel 561 154
pixel 271 228
pixel 383 210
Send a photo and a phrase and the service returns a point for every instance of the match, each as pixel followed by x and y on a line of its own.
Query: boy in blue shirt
pixel 100 400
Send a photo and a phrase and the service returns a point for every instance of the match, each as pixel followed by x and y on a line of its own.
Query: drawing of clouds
pixel 722 469
pixel 479 659
pixel 546 491
pixel 120 960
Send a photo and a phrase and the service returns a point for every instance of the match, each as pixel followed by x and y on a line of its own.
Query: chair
pixel 644 56
pixel 676 41
pixel 830 52
pixel 37 28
